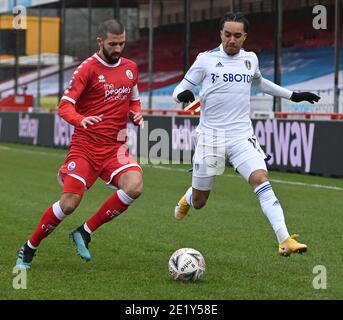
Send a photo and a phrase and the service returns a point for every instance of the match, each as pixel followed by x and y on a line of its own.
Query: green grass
pixel 130 254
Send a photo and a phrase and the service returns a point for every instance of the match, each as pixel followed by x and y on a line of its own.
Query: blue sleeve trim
pixel 214 50
pixel 190 82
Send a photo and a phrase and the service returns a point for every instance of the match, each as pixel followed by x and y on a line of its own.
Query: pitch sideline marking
pixel 294 183
pixel 42 153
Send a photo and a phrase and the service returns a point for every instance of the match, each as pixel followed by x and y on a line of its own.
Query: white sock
pixel 188 196
pixel 31 245
pixel 273 210
pixel 124 198
pixel 56 208
pixel 87 228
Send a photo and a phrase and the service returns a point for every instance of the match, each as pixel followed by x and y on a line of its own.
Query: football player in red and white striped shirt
pixel 100 98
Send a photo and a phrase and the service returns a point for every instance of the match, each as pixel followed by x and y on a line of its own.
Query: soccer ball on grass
pixel 187 264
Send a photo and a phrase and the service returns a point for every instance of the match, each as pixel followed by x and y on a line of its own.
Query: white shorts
pixel 203 184
pixel 210 155
pixel 251 165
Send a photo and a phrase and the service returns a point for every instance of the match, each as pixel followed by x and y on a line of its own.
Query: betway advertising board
pixel 313 147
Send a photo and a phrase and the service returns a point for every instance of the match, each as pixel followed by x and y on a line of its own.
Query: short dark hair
pixel 110 26
pixel 236 17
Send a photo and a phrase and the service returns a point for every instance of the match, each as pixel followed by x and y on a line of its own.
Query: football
pixel 187 264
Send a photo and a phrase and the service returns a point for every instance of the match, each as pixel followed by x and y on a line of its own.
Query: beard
pixel 110 59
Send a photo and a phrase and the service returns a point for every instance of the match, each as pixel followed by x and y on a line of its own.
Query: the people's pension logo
pixel 112 93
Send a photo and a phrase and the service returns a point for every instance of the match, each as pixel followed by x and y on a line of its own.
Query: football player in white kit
pixel 225 76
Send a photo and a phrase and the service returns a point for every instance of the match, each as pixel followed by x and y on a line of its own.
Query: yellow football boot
pixel 290 245
pixel 182 208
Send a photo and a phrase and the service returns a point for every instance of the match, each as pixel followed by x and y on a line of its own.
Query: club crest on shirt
pixel 247 64
pixel 129 74
pixel 71 166
pixel 101 78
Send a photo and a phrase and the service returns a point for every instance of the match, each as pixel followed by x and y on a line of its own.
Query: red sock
pixel 46 225
pixel 112 208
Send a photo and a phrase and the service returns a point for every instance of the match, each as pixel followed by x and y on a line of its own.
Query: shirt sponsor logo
pixel 112 93
pixel 231 77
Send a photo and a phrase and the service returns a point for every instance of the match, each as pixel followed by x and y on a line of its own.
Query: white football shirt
pixel 225 83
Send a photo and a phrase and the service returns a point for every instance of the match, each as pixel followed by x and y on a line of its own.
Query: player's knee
pixel 68 204
pixel 134 189
pixel 68 207
pixel 258 177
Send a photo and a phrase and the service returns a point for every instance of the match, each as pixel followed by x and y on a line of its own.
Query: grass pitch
pixel 131 253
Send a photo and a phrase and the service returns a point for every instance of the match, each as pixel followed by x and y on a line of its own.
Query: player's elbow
pixel 135 105
pixel 256 83
pixel 62 107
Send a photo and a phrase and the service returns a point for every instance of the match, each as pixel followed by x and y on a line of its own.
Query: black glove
pixel 304 96
pixel 186 96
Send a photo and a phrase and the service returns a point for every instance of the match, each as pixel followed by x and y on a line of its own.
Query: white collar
pixel 105 63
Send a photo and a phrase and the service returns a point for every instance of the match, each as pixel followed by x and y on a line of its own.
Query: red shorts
pixel 87 164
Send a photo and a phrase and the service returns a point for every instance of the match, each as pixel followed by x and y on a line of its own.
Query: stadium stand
pixel 307 53
pixel 17 103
